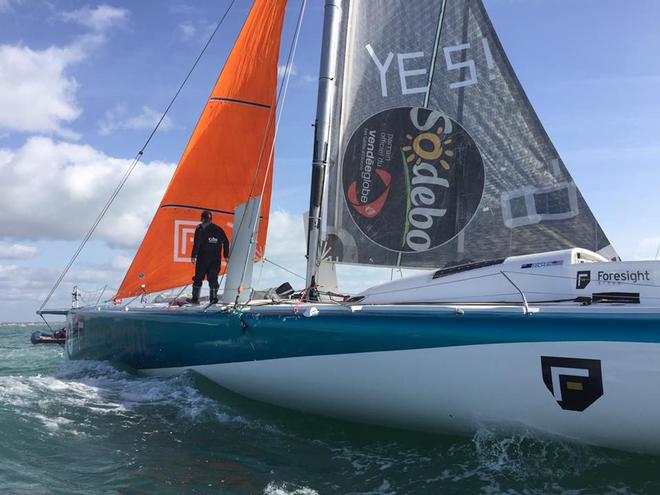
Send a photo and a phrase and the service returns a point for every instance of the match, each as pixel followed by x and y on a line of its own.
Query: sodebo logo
pixel 403 173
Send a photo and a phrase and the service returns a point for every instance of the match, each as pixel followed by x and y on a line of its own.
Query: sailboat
pixel 427 154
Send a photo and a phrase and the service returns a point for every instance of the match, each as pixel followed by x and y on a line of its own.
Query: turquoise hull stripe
pixel 148 339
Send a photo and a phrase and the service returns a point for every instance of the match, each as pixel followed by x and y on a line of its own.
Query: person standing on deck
pixel 210 245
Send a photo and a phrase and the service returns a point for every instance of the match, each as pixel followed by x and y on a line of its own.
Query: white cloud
pixel 116 119
pixel 181 9
pixel 631 248
pixel 285 246
pixel 196 30
pixel 52 190
pixel 121 263
pixel 188 30
pixel 7 5
pixel 24 283
pixel 35 93
pixel 304 77
pixel 98 19
pixel 650 244
pixel 16 282
pixel 16 251
pixel 281 70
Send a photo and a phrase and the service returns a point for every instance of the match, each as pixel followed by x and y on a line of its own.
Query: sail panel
pixel 226 162
pixel 456 171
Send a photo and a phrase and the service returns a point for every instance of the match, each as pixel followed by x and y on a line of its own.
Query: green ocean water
pixel 87 428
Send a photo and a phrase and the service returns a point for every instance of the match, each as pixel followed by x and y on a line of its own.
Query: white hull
pixel 459 389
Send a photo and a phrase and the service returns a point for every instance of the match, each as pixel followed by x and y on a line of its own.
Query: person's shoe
pixel 195 296
pixel 213 296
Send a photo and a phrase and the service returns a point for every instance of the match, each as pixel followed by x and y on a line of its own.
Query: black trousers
pixel 209 268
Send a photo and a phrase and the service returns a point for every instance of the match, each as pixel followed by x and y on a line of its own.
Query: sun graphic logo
pixel 428 146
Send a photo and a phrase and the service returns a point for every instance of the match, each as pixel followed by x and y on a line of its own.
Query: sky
pixel 82 84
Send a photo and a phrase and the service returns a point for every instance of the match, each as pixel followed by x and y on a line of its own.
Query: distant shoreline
pixel 22 324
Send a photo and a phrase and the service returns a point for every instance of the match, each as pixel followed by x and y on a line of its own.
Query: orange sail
pixel 230 147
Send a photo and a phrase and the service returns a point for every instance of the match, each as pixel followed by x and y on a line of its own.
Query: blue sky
pixel 81 84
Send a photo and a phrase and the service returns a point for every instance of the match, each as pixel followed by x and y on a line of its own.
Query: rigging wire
pixel 283 268
pixel 136 160
pixel 279 102
pixel 434 55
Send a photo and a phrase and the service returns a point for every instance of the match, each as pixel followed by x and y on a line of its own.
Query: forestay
pixel 438 157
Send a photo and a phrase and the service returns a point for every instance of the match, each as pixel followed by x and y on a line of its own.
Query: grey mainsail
pixel 437 156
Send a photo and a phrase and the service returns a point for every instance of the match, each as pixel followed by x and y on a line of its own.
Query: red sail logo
pixel 373 208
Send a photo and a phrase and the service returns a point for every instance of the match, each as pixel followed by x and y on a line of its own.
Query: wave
pixel 284 488
pixel 68 400
pixel 490 462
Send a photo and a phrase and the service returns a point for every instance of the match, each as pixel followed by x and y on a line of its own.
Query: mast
pixel 322 135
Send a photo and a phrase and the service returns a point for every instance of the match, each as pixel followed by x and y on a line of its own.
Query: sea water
pixel 87 428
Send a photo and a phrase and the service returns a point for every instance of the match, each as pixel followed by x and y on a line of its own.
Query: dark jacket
pixel 210 242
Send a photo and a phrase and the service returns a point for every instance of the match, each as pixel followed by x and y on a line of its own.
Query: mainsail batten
pixel 459 170
pixel 233 140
